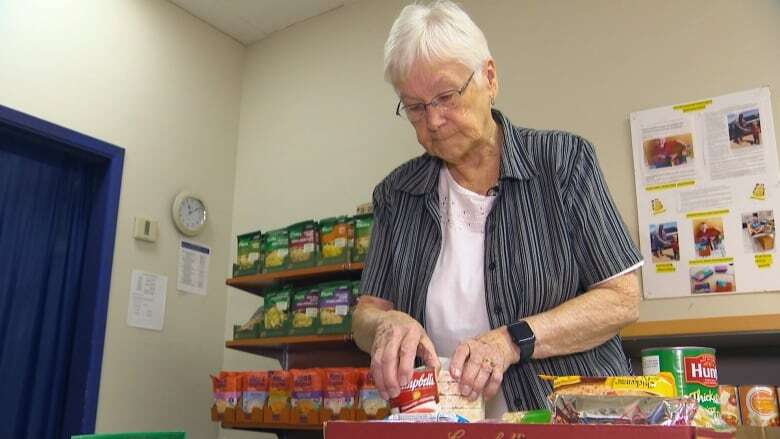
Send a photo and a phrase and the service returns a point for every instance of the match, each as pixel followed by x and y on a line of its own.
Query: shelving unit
pixel 299 351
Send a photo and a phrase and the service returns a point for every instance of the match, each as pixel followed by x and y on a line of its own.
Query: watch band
pixel 523 336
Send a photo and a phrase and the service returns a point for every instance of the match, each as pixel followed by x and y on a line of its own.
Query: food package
pixel 227 391
pixel 279 394
pixel 542 416
pixel 655 385
pixel 302 244
pixel 426 417
pixel 341 388
pixel 254 390
pixel 275 251
pixel 370 402
pixel 248 253
pixel 729 408
pixel 335 301
pixel 305 311
pixel 364 225
pixel 759 405
pixel 450 399
pixel 276 318
pixel 627 409
pixel 334 235
pixel 420 395
pixel 306 397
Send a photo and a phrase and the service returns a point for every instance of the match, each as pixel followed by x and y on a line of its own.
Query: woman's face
pixel 453 133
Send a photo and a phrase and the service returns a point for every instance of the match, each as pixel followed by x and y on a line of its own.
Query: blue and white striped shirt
pixel 553 232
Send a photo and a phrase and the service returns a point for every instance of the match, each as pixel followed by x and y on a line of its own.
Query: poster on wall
pixel 708 191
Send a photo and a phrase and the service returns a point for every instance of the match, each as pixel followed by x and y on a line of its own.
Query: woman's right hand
pixel 398 340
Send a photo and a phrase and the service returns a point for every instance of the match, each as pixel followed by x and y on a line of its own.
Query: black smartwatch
pixel 523 336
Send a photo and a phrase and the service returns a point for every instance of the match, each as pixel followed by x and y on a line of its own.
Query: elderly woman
pixel 500 246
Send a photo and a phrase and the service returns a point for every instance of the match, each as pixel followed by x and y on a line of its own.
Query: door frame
pixel 84 378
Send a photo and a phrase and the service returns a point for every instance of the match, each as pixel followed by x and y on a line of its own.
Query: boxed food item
pixel 277 410
pixel 226 387
pixel 334 234
pixel 253 327
pixel 729 408
pixel 305 311
pixel 275 251
pixel 335 301
pixel 355 296
pixel 450 399
pixel 276 319
pixel 306 400
pixel 302 244
pixel 371 405
pixel 364 225
pixel 254 395
pixel 341 386
pixel 248 254
pixel 420 395
pixel 759 405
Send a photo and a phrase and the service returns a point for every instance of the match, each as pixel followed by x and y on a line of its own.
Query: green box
pixel 335 301
pixel 275 251
pixel 277 313
pixel 334 238
pixel 302 244
pixel 248 254
pixel 355 295
pixel 364 225
pixel 305 310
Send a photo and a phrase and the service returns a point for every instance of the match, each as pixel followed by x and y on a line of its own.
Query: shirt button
pixel 518 403
pixel 497 310
pixel 492 265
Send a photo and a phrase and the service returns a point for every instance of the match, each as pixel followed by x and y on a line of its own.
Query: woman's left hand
pixel 479 363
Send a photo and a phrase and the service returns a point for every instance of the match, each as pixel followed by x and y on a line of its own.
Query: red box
pixel 444 430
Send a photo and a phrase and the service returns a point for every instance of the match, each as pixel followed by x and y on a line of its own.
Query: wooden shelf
pixel 256 283
pixel 726 334
pixel 303 351
pixel 273 427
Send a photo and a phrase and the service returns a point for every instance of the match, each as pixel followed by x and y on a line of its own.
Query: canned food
pixel 729 410
pixel 759 405
pixel 420 395
pixel 694 370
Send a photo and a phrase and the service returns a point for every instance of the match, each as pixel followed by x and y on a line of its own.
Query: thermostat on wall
pixel 145 229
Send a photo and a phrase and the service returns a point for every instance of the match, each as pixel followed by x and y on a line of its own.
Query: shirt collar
pixel 515 163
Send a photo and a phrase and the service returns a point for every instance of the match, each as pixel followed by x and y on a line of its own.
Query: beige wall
pixel 148 77
pixel 317 128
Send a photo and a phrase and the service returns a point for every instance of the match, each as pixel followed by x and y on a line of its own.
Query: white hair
pixel 438 32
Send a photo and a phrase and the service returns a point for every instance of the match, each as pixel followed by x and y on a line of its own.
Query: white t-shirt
pixel 455 307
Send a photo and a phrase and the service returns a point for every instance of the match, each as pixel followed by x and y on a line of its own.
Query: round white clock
pixel 189 213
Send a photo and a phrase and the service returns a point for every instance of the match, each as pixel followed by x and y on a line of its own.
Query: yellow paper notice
pixel 666 267
pixel 764 260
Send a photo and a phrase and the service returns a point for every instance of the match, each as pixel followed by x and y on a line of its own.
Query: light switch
pixel 145 229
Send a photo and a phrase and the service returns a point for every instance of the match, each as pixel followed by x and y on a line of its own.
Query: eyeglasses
pixel 443 102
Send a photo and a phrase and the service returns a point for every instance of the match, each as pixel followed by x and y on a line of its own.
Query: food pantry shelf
pixel 256 283
pixel 273 428
pixel 303 351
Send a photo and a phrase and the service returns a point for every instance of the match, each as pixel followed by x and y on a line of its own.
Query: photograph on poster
pixel 758 231
pixel 668 151
pixel 744 128
pixel 713 279
pixel 708 237
pixel 664 242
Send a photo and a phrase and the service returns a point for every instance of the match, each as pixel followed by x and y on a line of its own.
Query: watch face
pixel 192 213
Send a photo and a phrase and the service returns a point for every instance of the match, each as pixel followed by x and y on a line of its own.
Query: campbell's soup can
pixel 694 371
pixel 729 404
pixel 759 405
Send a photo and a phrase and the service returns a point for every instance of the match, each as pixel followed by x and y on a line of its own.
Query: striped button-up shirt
pixel 553 232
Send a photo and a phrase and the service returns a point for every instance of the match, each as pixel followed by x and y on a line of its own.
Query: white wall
pixel 146 76
pixel 317 128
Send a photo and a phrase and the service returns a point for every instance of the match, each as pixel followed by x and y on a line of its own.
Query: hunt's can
pixel 759 405
pixel 694 371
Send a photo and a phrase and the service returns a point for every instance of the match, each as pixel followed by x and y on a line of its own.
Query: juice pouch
pixel 306 396
pixel 255 391
pixel 279 393
pixel 305 311
pixel 275 251
pixel 276 318
pixel 334 234
pixel 341 385
pixel 364 225
pixel 302 244
pixel 335 301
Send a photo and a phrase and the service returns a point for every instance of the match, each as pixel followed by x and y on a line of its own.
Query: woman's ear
pixel 491 74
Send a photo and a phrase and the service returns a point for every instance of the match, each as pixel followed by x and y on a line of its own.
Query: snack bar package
pixel 306 396
pixel 420 395
pixel 651 385
pixel 279 393
pixel 370 402
pixel 255 391
pixel 341 386
pixel 450 399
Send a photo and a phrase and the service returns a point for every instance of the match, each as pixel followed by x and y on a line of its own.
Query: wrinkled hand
pixel 398 340
pixel 479 363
